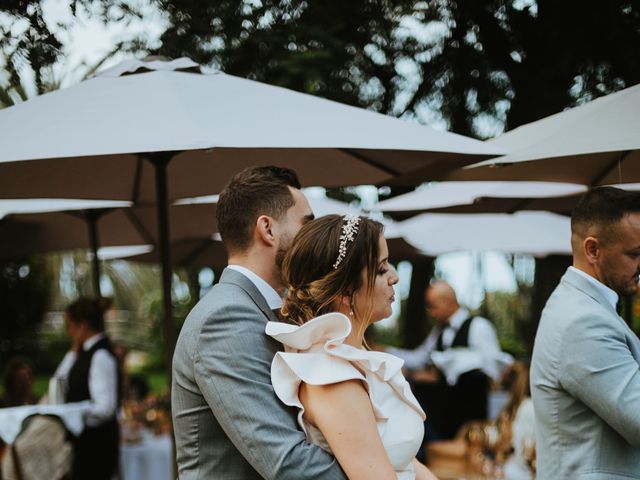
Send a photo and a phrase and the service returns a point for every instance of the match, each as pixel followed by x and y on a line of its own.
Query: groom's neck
pixel 262 264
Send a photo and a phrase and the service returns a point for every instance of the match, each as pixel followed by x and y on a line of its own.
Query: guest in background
pixel 452 369
pixel 90 371
pixel 18 384
pixel 585 368
pixel 517 424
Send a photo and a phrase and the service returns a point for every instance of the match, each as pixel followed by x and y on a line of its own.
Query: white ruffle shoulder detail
pixel 315 353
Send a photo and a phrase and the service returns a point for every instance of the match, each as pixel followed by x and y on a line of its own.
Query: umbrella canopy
pixel 482 197
pixel 489 197
pixel 89 140
pixel 39 228
pixel 66 230
pixel 209 250
pixel 123 134
pixel 535 233
pixel 597 143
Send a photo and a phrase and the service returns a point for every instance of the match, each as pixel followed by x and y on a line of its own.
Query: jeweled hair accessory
pixel 349 231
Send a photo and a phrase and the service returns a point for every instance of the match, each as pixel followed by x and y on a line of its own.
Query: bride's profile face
pixel 382 295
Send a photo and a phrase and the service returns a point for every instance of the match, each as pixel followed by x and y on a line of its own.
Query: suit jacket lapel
pixel 238 279
pixel 578 282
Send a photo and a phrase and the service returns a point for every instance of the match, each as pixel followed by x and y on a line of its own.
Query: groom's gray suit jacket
pixel 585 385
pixel 227 420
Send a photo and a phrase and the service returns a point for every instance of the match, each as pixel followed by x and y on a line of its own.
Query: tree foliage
pixel 24 295
pixel 472 62
pixel 473 66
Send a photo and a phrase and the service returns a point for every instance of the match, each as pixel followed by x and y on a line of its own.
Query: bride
pixel 352 402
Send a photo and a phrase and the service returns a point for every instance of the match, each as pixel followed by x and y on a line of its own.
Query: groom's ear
pixel 591 247
pixel 264 230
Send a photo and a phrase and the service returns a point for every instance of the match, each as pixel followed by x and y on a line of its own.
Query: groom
pixel 228 423
pixel 585 373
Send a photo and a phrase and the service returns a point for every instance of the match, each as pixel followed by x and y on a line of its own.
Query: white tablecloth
pixel 149 459
pixel 71 414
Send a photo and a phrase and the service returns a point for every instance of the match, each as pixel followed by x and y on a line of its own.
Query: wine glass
pixel 474 437
pixel 529 453
pixel 491 440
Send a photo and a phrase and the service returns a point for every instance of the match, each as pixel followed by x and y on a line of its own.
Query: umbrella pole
pixel 160 161
pixel 92 223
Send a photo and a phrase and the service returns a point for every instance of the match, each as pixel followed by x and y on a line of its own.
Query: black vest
pixel 79 375
pixel 461 338
pixel 96 449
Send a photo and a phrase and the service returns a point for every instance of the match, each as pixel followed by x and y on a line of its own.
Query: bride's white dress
pixel 315 353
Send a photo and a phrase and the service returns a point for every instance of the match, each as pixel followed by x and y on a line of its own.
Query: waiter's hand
pixel 428 375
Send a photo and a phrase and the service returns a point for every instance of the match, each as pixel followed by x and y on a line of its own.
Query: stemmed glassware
pixel 529 453
pixel 475 441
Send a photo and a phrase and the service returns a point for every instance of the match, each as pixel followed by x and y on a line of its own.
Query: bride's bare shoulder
pixel 322 400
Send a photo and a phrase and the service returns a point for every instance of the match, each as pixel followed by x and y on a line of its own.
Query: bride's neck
pixel 355 338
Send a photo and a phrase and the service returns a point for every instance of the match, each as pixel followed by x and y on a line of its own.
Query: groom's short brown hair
pixel 253 192
pixel 600 209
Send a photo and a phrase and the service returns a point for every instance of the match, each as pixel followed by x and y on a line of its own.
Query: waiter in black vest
pixel 451 370
pixel 91 372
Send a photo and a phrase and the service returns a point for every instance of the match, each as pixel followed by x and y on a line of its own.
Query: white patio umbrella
pixel 535 233
pixel 489 197
pixel 597 143
pixel 155 131
pixel 22 231
pixel 477 197
pixel 208 250
pixel 41 226
pixel 100 138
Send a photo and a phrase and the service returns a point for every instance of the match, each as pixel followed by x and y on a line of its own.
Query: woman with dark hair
pixel 90 371
pixel 352 402
pixel 18 384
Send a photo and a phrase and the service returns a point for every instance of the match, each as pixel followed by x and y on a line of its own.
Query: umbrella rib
pixel 136 180
pixel 618 161
pixel 370 162
pixel 520 205
pixel 139 226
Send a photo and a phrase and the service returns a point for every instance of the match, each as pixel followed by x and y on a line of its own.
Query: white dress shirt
pixel 483 351
pixel 267 291
pixel 103 382
pixel 609 294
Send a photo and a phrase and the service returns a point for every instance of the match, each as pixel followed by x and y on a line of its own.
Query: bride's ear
pixel 346 303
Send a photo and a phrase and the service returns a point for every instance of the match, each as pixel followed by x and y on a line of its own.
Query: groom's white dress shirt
pixel 610 295
pixel 267 291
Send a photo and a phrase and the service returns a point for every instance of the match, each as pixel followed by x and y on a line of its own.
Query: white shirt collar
pixel 609 294
pixel 91 341
pixel 457 319
pixel 267 291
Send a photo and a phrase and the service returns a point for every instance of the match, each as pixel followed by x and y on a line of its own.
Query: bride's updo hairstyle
pixel 317 273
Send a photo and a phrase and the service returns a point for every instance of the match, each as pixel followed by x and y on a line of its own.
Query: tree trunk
pixel 414 326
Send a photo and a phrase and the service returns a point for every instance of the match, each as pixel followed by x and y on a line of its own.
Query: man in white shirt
pixel 585 369
pixel 452 368
pixel 90 372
